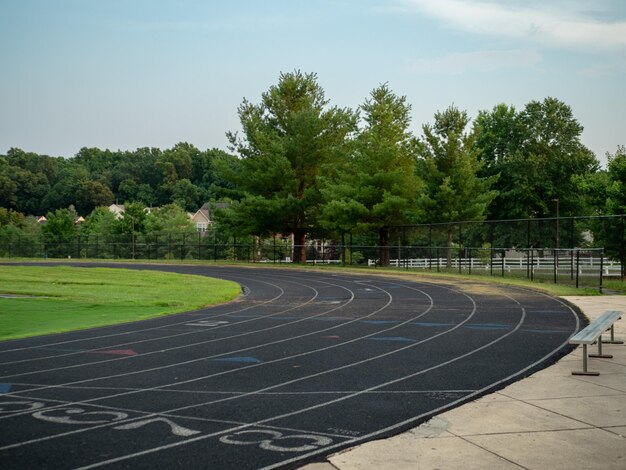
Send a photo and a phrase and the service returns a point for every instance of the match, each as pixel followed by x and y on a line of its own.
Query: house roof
pixel 204 213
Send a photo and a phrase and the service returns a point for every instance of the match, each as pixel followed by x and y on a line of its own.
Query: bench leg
pixel 585 371
pixel 605 356
pixel 612 340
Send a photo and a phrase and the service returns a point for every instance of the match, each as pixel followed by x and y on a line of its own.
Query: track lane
pixel 380 351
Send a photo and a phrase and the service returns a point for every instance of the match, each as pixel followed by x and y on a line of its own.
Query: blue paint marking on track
pixel 545 332
pixel 5 388
pixel 429 324
pixel 393 338
pixel 245 359
pixel 379 322
pixel 488 326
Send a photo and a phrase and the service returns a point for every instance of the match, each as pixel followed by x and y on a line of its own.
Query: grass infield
pixel 41 300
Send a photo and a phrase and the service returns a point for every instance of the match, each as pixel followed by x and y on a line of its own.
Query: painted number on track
pixel 276 441
pixel 207 323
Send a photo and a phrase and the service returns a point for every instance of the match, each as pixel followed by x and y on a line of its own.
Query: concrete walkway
pixel 550 420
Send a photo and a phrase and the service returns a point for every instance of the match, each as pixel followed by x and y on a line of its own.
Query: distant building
pixel 118 210
pixel 203 217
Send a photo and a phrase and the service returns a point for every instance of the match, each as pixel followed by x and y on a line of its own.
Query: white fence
pixel 564 264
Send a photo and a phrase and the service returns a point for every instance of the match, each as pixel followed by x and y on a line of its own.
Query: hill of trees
pixel 301 163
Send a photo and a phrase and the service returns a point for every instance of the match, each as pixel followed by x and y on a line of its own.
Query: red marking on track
pixel 118 352
pixel 332 337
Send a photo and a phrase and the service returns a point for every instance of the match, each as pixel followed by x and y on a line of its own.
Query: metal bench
pixel 593 333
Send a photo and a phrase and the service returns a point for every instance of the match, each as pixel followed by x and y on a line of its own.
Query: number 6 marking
pixel 79 413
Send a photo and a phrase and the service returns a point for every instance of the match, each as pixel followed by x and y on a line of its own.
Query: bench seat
pixel 593 333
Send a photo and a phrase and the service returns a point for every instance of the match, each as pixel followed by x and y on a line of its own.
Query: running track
pixel 302 365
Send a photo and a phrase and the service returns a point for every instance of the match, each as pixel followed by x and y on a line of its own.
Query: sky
pixel 124 74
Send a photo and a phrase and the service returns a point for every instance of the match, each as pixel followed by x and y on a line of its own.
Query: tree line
pixel 300 163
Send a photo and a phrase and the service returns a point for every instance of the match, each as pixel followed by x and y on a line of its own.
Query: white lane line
pixel 203 358
pixel 207 317
pixel 208 272
pixel 201 378
pixel 148 414
pixel 73 366
pixel 373 388
pixel 219 355
pixel 474 310
pixel 188 345
pixel 435 411
pixel 313 407
pixel 234 392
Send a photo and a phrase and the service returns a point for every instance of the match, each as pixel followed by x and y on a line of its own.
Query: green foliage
pixel 100 222
pixel 60 227
pixel 377 186
pixel 133 220
pixel 34 184
pixel 616 185
pixel 303 166
pixel 287 138
pixel 92 194
pixel 607 191
pixel 539 157
pixel 450 168
pixel 25 179
pixel 169 219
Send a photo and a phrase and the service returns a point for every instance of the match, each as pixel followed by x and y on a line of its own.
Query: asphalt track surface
pixel 302 365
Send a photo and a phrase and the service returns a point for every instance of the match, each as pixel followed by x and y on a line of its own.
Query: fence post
pixel 577 267
pixel 601 269
pixel 350 248
pixel 532 265
pixel 555 257
pixel 470 261
pixel 503 256
pixel 430 247
pixel 622 255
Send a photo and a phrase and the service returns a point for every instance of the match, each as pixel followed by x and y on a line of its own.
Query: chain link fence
pixel 577 251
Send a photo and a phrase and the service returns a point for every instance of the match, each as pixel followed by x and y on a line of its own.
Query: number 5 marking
pixel 175 428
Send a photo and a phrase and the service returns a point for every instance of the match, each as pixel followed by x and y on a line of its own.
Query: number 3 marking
pixel 273 436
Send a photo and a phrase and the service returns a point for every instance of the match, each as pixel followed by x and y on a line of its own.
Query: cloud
pixel 550 23
pixel 482 61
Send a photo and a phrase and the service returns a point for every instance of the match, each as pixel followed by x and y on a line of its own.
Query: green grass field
pixel 65 298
